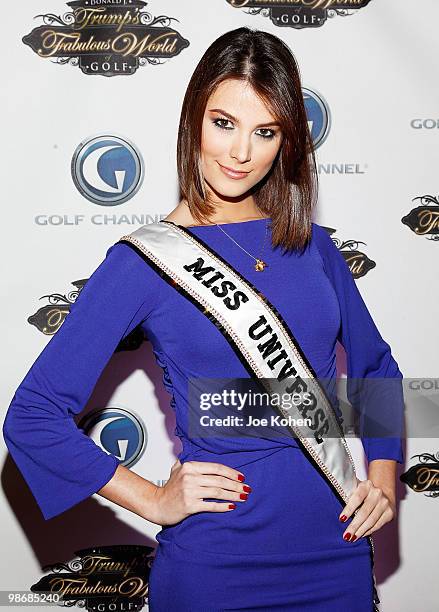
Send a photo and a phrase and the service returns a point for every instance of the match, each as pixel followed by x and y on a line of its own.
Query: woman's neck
pixel 182 216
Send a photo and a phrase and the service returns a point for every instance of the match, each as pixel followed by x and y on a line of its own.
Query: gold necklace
pixel 260 264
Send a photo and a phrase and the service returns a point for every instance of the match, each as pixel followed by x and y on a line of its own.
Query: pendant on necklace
pixel 260 265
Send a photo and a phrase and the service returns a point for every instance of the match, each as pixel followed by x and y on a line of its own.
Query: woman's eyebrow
pixel 232 118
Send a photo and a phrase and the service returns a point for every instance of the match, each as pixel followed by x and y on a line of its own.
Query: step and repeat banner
pixel 91 98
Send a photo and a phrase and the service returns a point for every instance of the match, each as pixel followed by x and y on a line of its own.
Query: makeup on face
pixel 240 140
pixel 232 173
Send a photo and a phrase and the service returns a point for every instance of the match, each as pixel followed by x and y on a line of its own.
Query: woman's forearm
pixel 131 491
pixel 382 473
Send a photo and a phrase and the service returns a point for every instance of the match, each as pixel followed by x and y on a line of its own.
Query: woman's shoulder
pixel 123 269
pixel 320 235
pixel 334 263
pixel 126 254
pixel 326 246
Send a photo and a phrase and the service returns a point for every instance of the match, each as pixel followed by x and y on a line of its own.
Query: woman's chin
pixel 227 191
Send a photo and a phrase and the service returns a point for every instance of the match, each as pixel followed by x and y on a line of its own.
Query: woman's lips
pixel 232 173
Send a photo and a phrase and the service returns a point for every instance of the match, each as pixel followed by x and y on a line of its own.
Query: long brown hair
pixel 289 191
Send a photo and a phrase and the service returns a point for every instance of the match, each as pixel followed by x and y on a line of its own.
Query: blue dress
pixel 282 548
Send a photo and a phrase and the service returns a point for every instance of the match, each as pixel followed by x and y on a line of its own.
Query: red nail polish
pixel 241 478
pixel 243 495
pixel 343 518
pixel 354 537
pixel 347 537
pixel 247 488
pixel 232 506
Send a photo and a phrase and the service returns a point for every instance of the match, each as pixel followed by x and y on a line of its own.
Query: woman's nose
pixel 241 148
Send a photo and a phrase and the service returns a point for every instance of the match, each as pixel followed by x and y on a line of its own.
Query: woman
pixel 248 184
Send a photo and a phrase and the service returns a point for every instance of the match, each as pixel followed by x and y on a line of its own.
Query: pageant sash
pixel 260 338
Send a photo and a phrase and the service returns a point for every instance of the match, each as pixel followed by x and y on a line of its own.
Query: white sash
pixel 260 337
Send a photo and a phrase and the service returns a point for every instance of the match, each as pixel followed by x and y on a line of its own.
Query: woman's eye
pixel 218 124
pixel 271 133
pixel 268 136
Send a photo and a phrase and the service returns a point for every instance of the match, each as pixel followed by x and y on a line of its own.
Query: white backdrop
pixel 377 70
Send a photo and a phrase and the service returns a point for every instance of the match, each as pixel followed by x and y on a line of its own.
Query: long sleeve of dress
pixel 374 385
pixel 61 465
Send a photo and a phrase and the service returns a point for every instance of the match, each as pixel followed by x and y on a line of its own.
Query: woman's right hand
pixel 192 481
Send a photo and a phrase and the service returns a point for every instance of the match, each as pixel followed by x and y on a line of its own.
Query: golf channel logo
pixel 107 170
pixel 319 117
pixel 118 432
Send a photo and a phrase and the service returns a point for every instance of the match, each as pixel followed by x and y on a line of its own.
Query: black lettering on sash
pixel 269 347
pixel 254 327
pixel 325 425
pixel 272 345
pixel 299 386
pixel 198 269
pixel 199 272
pixel 212 280
pixel 287 369
pixel 225 286
pixel 239 297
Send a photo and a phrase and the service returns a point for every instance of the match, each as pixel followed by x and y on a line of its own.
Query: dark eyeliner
pixel 214 121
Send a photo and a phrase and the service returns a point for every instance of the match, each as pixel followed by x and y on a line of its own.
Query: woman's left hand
pixel 377 508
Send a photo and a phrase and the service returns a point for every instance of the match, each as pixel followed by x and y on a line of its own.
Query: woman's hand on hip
pixel 376 507
pixel 189 483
